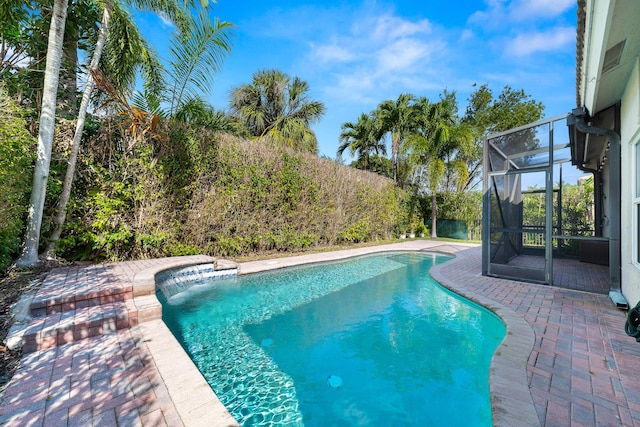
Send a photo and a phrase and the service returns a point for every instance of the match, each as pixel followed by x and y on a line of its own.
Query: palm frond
pixel 310 112
pixel 195 57
pixel 460 172
pixel 168 9
pixel 127 52
pixel 148 101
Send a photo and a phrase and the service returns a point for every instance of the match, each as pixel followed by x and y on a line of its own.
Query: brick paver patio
pixel 95 354
pixel 583 370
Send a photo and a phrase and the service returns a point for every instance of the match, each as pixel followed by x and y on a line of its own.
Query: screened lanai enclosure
pixel 544 215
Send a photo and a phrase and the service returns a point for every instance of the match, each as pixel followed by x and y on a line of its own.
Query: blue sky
pixel 356 54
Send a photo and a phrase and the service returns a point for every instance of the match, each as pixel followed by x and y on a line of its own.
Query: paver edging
pixel 193 398
pixel 511 401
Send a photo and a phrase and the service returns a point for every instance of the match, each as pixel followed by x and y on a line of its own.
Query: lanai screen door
pixel 519 162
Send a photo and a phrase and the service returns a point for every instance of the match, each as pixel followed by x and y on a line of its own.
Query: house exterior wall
pixel 630 136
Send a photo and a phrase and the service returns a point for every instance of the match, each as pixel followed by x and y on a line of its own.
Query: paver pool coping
pixel 196 403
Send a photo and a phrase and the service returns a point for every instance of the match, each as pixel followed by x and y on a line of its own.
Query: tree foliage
pixel 196 56
pixel 127 53
pixel 575 213
pixel 511 109
pixel 400 119
pixel 434 149
pixel 16 172
pixel 364 138
pixel 15 34
pixel 486 114
pixel 278 108
pixel 437 149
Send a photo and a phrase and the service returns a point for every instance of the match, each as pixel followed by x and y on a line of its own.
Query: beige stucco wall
pixel 630 135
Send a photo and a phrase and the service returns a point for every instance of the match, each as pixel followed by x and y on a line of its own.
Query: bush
pixel 358 232
pixel 198 191
pixel 17 148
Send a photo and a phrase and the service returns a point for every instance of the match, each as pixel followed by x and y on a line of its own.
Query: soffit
pixel 607 23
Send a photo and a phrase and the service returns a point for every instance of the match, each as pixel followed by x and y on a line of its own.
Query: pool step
pixel 68 289
pixel 46 330
pixel 75 303
pixel 59 328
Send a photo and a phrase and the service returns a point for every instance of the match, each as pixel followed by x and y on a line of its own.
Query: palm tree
pixel 195 57
pixel 29 256
pixel 434 147
pixel 124 64
pixel 400 118
pixel 278 108
pixel 363 137
pixel 127 53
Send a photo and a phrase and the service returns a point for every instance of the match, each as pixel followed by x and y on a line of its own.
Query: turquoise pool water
pixel 368 341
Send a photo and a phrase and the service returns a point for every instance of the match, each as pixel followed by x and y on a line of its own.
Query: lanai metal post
pixel 548 249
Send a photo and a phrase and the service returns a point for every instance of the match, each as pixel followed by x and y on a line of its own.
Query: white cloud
pixel 502 13
pixel 331 53
pixel 166 22
pixel 405 54
pixel 527 9
pixel 495 15
pixel 467 35
pixel 359 80
pixel 391 27
pixel 357 87
pixel 376 52
pixel 529 43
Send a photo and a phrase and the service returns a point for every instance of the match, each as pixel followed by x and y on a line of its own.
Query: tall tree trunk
pixel 68 100
pixel 29 257
pixel 394 158
pixel 434 235
pixel 61 212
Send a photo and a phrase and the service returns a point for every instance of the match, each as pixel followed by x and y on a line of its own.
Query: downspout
pixel 597 195
pixel 615 290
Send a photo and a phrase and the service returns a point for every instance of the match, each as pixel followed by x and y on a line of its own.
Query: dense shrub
pixel 196 191
pixel 266 198
pixel 17 155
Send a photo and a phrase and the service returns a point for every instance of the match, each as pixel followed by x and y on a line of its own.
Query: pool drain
pixel 334 381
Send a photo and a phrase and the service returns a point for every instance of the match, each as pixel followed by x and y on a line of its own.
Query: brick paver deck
pixel 579 368
pixel 105 380
pixel 583 370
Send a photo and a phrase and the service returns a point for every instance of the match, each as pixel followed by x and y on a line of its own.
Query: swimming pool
pixel 368 341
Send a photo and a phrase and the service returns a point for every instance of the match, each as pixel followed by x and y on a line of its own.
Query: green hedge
pixel 195 191
pixel 17 156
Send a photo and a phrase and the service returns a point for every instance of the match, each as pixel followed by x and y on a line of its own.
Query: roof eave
pixel 580 34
